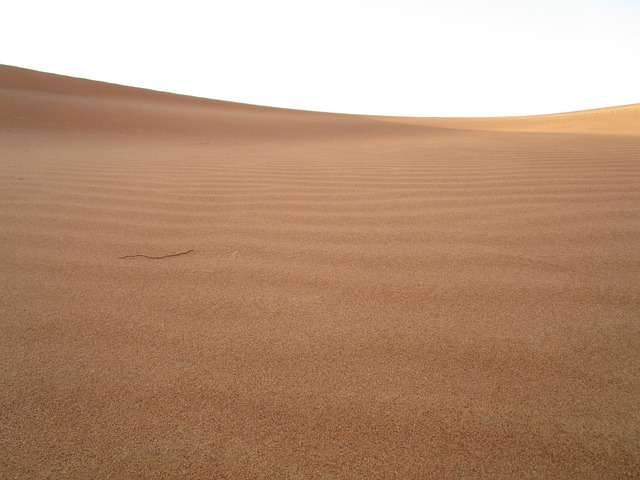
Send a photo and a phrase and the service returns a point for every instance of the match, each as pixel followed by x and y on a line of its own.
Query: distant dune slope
pixel 192 288
pixel 623 120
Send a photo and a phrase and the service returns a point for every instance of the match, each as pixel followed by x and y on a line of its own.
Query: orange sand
pixel 367 297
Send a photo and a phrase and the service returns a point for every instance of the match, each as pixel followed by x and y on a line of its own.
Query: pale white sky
pixel 388 57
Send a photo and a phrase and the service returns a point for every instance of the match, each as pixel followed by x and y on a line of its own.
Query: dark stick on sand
pixel 157 258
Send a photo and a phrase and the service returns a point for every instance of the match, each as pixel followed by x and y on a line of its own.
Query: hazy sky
pixel 392 57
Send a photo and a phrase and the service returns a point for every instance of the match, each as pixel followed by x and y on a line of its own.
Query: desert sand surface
pixel 355 296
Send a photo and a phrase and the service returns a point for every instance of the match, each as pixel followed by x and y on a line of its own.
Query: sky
pixel 385 57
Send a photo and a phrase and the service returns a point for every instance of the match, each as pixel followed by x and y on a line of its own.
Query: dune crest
pixel 622 120
pixel 200 289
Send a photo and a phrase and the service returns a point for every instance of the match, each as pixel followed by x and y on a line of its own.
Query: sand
pixel 339 296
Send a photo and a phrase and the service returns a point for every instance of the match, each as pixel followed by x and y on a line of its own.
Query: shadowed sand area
pixel 366 297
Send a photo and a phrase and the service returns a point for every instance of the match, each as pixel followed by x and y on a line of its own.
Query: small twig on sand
pixel 157 258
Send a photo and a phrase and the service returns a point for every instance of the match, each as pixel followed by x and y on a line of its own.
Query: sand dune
pixel 366 297
pixel 623 121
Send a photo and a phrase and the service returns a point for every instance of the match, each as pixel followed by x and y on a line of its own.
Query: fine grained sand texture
pixel 199 289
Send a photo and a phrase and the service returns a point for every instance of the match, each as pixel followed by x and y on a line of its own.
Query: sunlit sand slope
pixel 199 289
pixel 624 120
